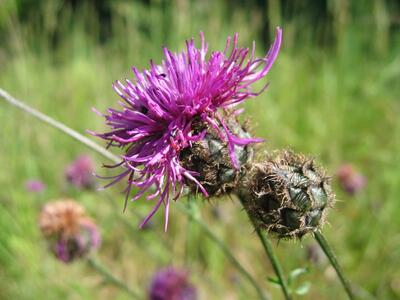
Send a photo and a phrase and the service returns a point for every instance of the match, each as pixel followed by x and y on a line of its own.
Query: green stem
pixel 224 249
pixel 271 255
pixel 274 262
pixel 191 206
pixel 334 262
pixel 110 278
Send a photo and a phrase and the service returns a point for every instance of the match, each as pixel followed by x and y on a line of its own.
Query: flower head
pixel 35 186
pixel 350 180
pixel 164 105
pixel 80 172
pixel 171 284
pixel 70 233
pixel 287 194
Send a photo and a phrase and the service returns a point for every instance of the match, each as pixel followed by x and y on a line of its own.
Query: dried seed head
pixel 287 195
pixel 69 232
pixel 61 218
pixel 210 159
pixel 78 245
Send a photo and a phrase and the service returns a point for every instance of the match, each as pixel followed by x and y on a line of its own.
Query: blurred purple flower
pixel 161 109
pixel 35 186
pixel 79 244
pixel 70 233
pixel 80 172
pixel 350 180
pixel 171 284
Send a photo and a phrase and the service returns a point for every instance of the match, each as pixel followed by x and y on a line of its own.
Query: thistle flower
pixel 172 284
pixel 350 180
pixel 70 233
pixel 35 186
pixel 80 172
pixel 165 105
pixel 287 195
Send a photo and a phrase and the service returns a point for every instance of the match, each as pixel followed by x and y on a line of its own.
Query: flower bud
pixel 210 159
pixel 287 195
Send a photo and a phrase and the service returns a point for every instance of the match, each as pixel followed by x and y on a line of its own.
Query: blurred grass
pixel 334 94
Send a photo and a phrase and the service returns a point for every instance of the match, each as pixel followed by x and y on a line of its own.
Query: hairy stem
pixel 323 243
pixel 271 255
pixel 224 249
pixel 110 278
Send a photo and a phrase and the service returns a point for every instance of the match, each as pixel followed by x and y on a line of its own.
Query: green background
pixel 334 94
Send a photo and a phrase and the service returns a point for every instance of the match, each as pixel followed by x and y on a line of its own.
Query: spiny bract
pixel 210 159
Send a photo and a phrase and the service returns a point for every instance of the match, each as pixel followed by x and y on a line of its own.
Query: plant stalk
pixel 110 278
pixel 224 249
pixel 323 243
pixel 271 255
pixel 60 126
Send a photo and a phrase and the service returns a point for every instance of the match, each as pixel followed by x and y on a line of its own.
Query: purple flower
pixel 35 186
pixel 171 284
pixel 79 244
pixel 350 180
pixel 80 172
pixel 69 232
pixel 161 106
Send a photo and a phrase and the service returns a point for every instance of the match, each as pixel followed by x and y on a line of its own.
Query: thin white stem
pixel 44 118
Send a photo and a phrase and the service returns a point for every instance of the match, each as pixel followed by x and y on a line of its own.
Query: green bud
pixel 287 195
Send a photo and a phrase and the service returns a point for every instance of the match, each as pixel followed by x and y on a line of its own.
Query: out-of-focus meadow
pixel 334 94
